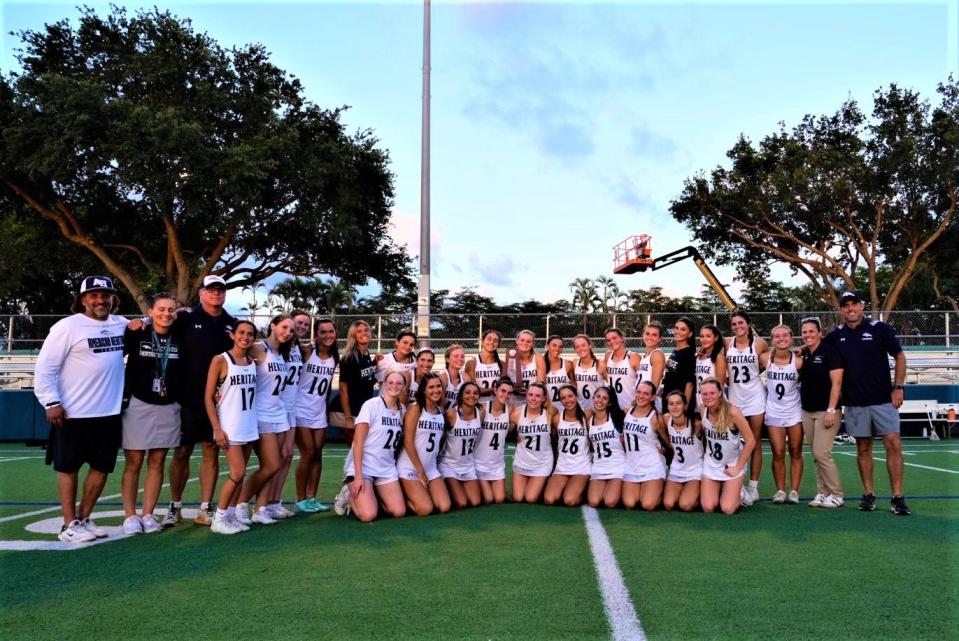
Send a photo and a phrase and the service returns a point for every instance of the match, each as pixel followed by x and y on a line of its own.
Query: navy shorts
pixel 195 426
pixel 94 441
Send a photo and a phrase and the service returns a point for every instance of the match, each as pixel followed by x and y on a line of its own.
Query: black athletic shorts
pixel 95 441
pixel 195 426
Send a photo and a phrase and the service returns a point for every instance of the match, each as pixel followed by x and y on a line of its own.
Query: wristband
pixel 52 405
pixel 898 387
pixel 831 410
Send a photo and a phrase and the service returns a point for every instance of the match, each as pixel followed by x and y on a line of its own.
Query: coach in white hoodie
pixel 79 381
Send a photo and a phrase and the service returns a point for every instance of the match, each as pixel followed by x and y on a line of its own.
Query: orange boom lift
pixel 635 254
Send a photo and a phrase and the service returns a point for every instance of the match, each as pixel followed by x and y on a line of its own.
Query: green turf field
pixel 503 572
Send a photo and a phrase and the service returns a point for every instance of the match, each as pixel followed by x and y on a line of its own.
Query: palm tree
pixel 585 297
pixel 606 286
pixel 335 296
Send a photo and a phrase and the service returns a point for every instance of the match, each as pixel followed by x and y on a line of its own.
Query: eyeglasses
pixel 811 319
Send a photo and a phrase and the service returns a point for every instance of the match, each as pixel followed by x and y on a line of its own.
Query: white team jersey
pixel 429 434
pixel 572 446
pixel 313 391
pixel 644 462
pixel 609 457
pixel 293 369
pixel 490 450
pixel 529 372
pixel 587 380
pixel 722 449
pixel 705 368
pixel 271 377
pixel 382 440
pixel 623 380
pixel 452 389
pixel 534 449
pixel 486 374
pixel 687 462
pixel 745 387
pixel 389 363
pixel 80 366
pixel 783 405
pixel 456 459
pixel 414 385
pixel 555 379
pixel 235 409
pixel 645 370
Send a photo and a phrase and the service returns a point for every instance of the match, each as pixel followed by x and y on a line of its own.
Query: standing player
pixel 711 357
pixel 590 372
pixel 370 468
pixel 490 452
pixel 79 381
pixel 872 401
pixel 230 398
pixel 423 430
pixel 452 375
pixel 312 401
pixel 357 377
pixel 646 441
pixel 400 358
pixel 456 462
pixel 424 365
pixel 652 364
pixel 151 420
pixel 686 468
pixel 609 457
pixel 681 365
pixel 746 391
pixel 784 412
pixel 573 463
pixel 729 442
pixel 204 332
pixel 487 367
pixel 533 461
pixel 559 371
pixel 621 367
pixel 298 355
pixel 530 366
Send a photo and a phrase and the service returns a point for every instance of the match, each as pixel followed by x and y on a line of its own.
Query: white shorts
pixel 408 472
pixel 718 473
pixel 784 421
pixel 460 474
pixel 381 480
pixel 754 406
pixel 684 478
pixel 565 469
pixel 266 427
pixel 312 424
pixel 291 417
pixel 605 476
pixel 232 442
pixel 648 475
pixel 491 472
pixel 542 471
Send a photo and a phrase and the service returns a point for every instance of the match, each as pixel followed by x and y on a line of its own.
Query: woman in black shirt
pixel 681 365
pixel 357 375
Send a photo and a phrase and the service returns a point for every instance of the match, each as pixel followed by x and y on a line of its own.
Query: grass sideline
pixel 503 572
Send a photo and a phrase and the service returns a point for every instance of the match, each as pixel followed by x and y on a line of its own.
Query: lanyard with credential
pixel 159 383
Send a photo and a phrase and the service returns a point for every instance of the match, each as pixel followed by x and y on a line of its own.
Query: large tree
pixel 835 194
pixel 169 157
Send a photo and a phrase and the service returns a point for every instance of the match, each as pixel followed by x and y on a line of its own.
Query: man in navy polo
pixel 871 400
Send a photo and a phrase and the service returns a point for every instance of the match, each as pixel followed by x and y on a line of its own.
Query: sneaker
pixel 172 517
pixel 897 505
pixel 278 511
pixel 262 516
pixel 242 513
pixel 779 497
pixel 223 525
pixel 341 504
pixel 231 515
pixel 205 517
pixel 307 506
pixel 94 529
pixel 150 524
pixel 793 497
pixel 832 502
pixel 132 525
pixel 817 500
pixel 322 507
pixel 75 533
pixel 753 493
pixel 868 503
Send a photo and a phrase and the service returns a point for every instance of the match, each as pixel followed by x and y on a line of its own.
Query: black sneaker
pixel 898 506
pixel 172 517
pixel 868 503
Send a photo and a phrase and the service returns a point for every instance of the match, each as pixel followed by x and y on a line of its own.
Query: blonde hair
pixel 725 419
pixel 350 350
pixel 452 348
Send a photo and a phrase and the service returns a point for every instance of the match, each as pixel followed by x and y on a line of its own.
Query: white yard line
pixel 619 607
pixel 925 467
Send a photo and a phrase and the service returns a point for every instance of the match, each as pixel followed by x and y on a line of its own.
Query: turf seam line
pixel 925 467
pixel 619 607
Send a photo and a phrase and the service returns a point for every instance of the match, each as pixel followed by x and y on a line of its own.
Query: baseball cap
pixel 97 284
pixel 214 281
pixel 850 295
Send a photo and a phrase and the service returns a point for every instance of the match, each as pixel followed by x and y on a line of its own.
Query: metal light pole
pixel 423 289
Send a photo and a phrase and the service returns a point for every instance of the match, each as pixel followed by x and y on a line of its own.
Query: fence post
pixel 481 329
pixel 547 324
pixel 10 332
pixel 649 318
pixel 715 320
pixel 947 330
pixel 780 319
pixel 379 333
pixel 614 320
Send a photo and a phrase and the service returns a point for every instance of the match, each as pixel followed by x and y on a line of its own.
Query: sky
pixel 561 128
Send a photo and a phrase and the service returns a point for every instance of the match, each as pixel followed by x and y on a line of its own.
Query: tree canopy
pixel 168 157
pixel 837 194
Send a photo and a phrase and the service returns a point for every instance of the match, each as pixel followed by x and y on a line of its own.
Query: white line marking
pixel 925 467
pixel 619 607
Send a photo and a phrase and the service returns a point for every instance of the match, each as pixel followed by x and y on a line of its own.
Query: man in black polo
pixel 203 333
pixel 871 400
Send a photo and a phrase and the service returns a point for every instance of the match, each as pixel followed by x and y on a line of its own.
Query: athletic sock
pixel 754 484
pixel 177 504
pixel 220 514
pixel 205 505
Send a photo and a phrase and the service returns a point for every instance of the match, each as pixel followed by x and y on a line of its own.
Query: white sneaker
pixel 242 513
pixel 223 525
pixel 817 500
pixel 277 511
pixel 75 533
pixel 831 502
pixel 231 515
pixel 150 524
pixel 793 497
pixel 779 497
pixel 341 504
pixel 744 499
pixel 753 493
pixel 262 516
pixel 93 529
pixel 132 525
